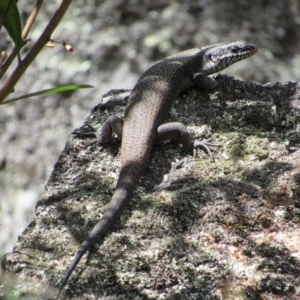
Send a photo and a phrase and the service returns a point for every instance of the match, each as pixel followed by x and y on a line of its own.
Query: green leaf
pixel 12 20
pixel 60 89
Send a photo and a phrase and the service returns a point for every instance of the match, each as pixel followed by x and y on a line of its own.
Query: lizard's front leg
pixel 178 131
pixel 207 82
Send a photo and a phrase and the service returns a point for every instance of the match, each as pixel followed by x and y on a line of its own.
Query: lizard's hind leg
pixel 178 131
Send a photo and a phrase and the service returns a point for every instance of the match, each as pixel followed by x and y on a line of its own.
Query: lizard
pixel 147 107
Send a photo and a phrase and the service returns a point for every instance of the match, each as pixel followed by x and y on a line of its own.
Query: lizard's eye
pixel 235 49
pixel 213 58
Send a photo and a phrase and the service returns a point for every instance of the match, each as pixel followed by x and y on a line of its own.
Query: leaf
pixel 12 20
pixel 60 89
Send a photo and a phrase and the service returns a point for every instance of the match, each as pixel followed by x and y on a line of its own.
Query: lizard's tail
pixel 126 183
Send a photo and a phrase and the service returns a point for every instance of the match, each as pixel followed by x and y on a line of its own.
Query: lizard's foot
pixel 206 146
pixel 86 131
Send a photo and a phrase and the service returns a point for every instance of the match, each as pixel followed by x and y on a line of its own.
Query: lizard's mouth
pixel 255 48
pixel 250 49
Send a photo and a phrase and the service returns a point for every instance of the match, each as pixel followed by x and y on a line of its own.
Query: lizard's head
pixel 220 56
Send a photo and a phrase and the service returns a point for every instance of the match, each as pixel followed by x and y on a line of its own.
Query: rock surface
pixel 195 228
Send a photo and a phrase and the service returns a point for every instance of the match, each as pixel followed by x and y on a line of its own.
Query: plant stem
pixel 9 85
pixel 25 32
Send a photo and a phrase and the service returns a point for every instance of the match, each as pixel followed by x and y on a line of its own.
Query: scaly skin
pixel 148 106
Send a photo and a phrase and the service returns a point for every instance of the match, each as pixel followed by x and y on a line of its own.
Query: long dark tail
pixel 126 183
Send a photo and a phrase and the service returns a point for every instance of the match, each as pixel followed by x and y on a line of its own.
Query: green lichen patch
pixel 195 228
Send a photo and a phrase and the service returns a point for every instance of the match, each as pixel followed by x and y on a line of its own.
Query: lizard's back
pixel 148 106
pixel 150 102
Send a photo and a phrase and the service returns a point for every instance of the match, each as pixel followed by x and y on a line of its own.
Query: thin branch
pixel 31 18
pixel 25 32
pixel 9 85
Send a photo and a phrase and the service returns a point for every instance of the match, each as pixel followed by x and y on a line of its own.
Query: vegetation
pixel 11 21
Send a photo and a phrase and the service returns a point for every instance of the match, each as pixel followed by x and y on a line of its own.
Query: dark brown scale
pixel 148 106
